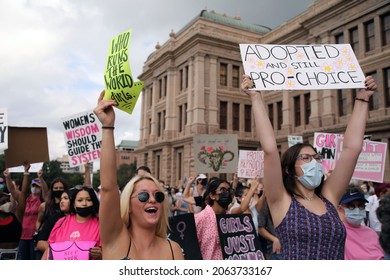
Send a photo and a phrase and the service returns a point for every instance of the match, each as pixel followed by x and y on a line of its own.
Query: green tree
pixel 124 173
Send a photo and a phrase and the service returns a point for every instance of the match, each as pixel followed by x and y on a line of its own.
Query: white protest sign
pixel 3 129
pixel 34 168
pixel 83 138
pixel 250 164
pixel 302 67
pixel 292 140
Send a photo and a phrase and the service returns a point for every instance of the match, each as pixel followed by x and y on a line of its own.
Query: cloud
pixel 53 52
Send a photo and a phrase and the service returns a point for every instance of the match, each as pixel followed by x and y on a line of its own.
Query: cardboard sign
pixel 292 140
pixel 216 153
pixel 26 144
pixel 183 231
pixel 3 129
pixel 302 67
pixel 250 164
pixel 238 237
pixel 83 138
pixel 117 76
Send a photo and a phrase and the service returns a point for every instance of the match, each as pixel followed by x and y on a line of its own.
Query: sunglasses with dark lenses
pixel 80 187
pixel 144 196
pixel 224 190
pixel 353 206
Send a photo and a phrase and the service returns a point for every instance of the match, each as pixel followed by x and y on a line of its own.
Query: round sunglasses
pixel 144 196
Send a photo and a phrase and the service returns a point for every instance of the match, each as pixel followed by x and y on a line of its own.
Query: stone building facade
pixel 192 83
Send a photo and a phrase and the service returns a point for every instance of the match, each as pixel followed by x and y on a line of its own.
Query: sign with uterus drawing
pixel 216 153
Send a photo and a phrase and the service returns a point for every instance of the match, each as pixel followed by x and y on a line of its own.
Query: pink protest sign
pixel 371 162
pixel 326 145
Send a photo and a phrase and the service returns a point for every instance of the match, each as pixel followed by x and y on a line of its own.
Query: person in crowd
pixel 182 207
pixel 249 200
pixel 362 242
pixel 171 193
pixel 381 189
pixel 44 233
pixel 30 206
pixel 198 190
pixel 10 226
pixel 134 225
pixel 50 207
pixel 218 197
pixel 143 169
pixel 303 205
pixel 81 224
pixel 272 246
pixel 383 214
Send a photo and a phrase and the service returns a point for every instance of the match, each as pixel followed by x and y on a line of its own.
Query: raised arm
pixel 111 224
pixel 187 196
pixel 11 186
pixel 273 182
pixel 337 183
pixel 87 175
pixel 45 188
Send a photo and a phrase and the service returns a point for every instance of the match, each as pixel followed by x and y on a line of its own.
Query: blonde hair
pixel 125 203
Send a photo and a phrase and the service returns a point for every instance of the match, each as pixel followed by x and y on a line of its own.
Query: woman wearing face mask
pixel 302 204
pixel 218 196
pixel 29 205
pixel 50 207
pixel 362 242
pixel 82 223
pixel 44 233
pixel 10 227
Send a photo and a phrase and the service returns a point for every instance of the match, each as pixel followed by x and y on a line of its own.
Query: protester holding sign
pixel 134 224
pixel 302 204
pixel 77 236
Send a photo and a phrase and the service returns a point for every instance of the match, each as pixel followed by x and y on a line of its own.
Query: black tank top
pixel 128 251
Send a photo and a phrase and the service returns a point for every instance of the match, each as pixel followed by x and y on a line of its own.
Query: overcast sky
pixel 53 52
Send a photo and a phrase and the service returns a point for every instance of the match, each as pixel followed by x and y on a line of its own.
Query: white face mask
pixel 6 207
pixel 355 217
pixel 312 174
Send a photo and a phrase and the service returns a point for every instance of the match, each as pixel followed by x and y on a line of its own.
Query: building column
pixel 199 96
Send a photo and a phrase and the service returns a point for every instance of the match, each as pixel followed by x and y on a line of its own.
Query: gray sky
pixel 53 52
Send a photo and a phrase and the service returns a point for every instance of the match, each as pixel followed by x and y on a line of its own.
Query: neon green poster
pixel 118 79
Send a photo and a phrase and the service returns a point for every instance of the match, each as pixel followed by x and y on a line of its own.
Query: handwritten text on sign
pixel 117 76
pixel 250 164
pixel 297 67
pixel 83 138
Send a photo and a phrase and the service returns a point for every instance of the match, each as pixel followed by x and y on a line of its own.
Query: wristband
pixel 26 173
pixel 361 99
pixel 108 127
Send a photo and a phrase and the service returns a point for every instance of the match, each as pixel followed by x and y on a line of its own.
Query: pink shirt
pixel 207 232
pixel 30 216
pixel 362 243
pixel 68 229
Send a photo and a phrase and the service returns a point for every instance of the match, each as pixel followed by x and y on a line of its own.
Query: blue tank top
pixel 307 236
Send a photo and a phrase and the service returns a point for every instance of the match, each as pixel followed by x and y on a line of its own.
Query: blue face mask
pixel 312 175
pixel 355 217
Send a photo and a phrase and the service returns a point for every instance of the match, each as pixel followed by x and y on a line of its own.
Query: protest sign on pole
pixel 302 67
pixel 292 140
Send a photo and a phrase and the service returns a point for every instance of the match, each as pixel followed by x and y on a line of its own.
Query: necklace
pixel 309 198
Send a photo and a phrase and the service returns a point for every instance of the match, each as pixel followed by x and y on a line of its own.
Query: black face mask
pixel 225 199
pixel 57 194
pixel 85 211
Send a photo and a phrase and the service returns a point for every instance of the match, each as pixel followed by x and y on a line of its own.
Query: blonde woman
pixel 133 225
